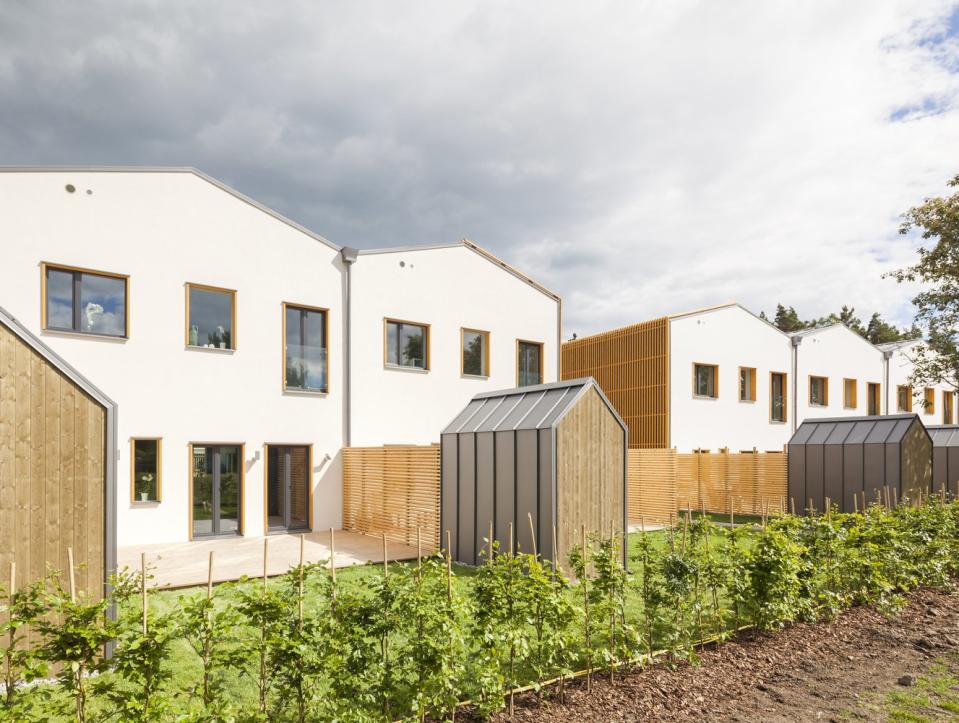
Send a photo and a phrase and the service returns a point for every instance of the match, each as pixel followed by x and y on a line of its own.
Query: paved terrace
pixel 183 564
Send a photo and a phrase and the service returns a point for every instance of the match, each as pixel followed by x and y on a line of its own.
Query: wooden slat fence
pixel 664 480
pixel 393 490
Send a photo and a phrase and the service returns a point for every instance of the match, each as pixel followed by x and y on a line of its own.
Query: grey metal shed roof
pixel 945 435
pixel 855 430
pixel 536 407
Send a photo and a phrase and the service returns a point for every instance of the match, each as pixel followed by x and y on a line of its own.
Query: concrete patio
pixel 184 564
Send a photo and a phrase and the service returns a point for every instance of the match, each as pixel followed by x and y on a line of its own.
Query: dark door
pixel 216 490
pixel 287 488
pixel 873 394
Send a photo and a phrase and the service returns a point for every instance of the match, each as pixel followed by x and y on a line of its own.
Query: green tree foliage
pixel 876 331
pixel 22 662
pixel 937 304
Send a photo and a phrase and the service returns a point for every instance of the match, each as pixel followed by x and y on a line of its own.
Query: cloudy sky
pixel 639 158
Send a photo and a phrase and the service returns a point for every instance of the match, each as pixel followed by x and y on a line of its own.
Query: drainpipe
pixel 796 341
pixel 349 256
pixel 886 356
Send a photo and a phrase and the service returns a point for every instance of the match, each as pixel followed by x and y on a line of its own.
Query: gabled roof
pixel 173 169
pixel 536 407
pixel 812 331
pixel 889 429
pixel 946 435
pixel 476 248
pixel 896 345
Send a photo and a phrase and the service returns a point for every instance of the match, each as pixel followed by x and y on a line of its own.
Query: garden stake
pixel 532 532
pixel 562 678
pixel 612 611
pixel 489 546
pixel 386 630
pixel 792 505
pixel 300 592
pixel 266 543
pixel 449 597
pixel 9 685
pixel 209 577
pixel 419 554
pixel 512 642
pixel 143 588
pixel 73 579
pixel 585 584
pixel 855 503
pixel 812 510
pixel 332 570
pixel 895 497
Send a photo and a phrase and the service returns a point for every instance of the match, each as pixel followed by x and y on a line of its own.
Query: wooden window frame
pixel 929 400
pixel 241 532
pixel 908 388
pixel 326 331
pixel 266 484
pixel 878 399
pixel 159 496
pixel 752 384
pixel 948 407
pixel 855 394
pixel 785 419
pixel 715 368
pixel 825 391
pixel 387 320
pixel 486 367
pixel 233 335
pixel 45 265
pixel 542 359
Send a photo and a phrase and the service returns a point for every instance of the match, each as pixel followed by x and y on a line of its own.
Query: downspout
pixel 349 256
pixel 886 356
pixel 796 341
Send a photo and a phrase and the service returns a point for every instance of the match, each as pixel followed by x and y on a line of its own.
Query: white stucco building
pixel 723 377
pixel 245 351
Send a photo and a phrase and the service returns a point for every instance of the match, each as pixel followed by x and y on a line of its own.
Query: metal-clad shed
pixel 843 458
pixel 945 458
pixel 554 451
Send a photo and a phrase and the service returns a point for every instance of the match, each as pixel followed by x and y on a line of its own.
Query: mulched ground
pixel 829 671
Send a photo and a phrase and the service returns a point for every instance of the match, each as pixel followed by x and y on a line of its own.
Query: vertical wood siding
pixel 393 490
pixel 52 474
pixel 631 366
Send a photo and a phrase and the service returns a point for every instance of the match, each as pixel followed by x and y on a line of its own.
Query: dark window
pixel 475 353
pixel 778 397
pixel 406 345
pixel 904 398
pixel 704 380
pixel 818 391
pixel 86 302
pixel 306 349
pixel 146 470
pixel 211 318
pixel 530 363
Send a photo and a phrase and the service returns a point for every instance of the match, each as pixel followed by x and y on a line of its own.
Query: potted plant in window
pixel 146 480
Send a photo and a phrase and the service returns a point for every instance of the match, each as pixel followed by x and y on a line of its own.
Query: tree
pixel 787 319
pixel 937 305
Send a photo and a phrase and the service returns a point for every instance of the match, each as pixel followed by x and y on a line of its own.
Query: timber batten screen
pixel 945 458
pixel 57 482
pixel 552 452
pixel 843 458
pixel 631 366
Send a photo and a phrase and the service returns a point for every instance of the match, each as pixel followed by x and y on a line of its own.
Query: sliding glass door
pixel 287 488
pixel 217 476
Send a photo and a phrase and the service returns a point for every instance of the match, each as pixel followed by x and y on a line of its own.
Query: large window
pixel 145 470
pixel 211 317
pixel 929 400
pixel 305 362
pixel 850 393
pixel 475 352
pixel 904 398
pixel 529 363
pixel 87 302
pixel 874 395
pixel 777 397
pixel 747 384
pixel 407 344
pixel 706 381
pixel 818 391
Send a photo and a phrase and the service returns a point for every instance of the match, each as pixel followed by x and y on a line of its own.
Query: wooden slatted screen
pixel 393 489
pixel 631 366
pixel 52 474
pixel 662 481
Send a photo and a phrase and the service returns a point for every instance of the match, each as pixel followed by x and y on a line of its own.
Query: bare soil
pixel 839 670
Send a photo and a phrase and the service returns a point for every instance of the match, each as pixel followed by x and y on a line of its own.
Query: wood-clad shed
pixel 57 465
pixel 843 458
pixel 945 458
pixel 554 451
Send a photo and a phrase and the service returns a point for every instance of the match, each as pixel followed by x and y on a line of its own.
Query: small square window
pixel 818 391
pixel 407 344
pixel 145 470
pixel 747 384
pixel 850 393
pixel 705 381
pixel 211 317
pixel 475 353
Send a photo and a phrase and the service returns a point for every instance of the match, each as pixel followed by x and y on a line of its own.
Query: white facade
pixel 900 368
pixel 729 337
pixel 167 228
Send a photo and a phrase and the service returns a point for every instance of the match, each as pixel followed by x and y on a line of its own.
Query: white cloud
pixel 637 157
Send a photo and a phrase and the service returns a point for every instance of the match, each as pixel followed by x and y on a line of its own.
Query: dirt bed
pixel 858 667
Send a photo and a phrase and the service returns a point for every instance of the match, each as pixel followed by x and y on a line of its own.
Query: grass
pixel 933 697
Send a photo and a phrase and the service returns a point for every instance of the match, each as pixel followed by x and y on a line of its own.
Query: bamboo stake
pixel 386 634
pixel 812 510
pixel 73 577
pixel 333 565
pixel 209 577
pixel 895 497
pixel 386 563
pixel 419 553
pixel 512 646
pixel 266 544
pixel 585 584
pixel 143 588
pixel 489 547
pixel 449 595
pixel 792 505
pixel 562 679
pixel 532 532
pixel 300 591
pixel 12 640
pixel 855 503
